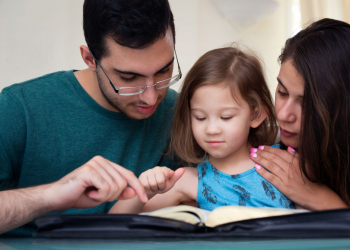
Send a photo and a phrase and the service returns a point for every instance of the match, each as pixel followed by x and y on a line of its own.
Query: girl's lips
pixel 145 110
pixel 286 133
pixel 215 143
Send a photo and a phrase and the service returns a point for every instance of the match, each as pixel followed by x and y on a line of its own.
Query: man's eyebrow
pixel 138 74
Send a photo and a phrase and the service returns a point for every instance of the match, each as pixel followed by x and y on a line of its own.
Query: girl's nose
pixel 213 128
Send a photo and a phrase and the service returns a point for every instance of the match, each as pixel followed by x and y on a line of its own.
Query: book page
pixel 228 214
pixel 184 213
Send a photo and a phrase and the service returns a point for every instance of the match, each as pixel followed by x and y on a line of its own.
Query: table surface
pixel 170 244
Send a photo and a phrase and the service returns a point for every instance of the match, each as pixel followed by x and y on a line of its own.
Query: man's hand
pixel 97 181
pixel 159 180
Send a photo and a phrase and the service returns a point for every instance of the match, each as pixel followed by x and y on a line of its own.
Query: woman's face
pixel 288 103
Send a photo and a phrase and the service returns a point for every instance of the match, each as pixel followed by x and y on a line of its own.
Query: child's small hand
pixel 159 180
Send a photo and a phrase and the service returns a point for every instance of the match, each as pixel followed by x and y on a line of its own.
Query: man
pixel 64 136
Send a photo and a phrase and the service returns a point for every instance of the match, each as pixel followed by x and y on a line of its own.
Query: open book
pixel 229 222
pixel 218 216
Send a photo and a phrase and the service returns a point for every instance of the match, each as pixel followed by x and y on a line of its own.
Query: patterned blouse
pixel 216 189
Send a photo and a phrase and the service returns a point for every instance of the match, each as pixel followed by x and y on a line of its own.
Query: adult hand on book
pixel 159 180
pixel 281 168
pixel 97 181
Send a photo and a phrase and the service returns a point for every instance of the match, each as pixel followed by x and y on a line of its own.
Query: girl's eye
pixel 200 118
pixel 226 117
pixel 282 93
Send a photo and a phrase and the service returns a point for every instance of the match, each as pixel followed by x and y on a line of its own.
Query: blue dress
pixel 216 189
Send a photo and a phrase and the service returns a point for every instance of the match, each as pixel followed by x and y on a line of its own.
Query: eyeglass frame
pixel 144 87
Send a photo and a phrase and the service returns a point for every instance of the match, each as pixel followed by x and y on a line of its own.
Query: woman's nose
pixel 287 113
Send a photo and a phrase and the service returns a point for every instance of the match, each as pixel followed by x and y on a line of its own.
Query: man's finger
pixel 109 175
pixel 132 180
pixel 127 193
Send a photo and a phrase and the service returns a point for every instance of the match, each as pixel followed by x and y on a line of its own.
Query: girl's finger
pixel 161 178
pixel 152 182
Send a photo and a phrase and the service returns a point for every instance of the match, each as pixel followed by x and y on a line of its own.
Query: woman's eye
pixel 282 93
pixel 226 117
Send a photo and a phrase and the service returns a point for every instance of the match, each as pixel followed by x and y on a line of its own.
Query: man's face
pixel 128 67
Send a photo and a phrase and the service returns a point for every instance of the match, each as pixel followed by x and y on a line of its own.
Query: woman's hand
pixel 281 169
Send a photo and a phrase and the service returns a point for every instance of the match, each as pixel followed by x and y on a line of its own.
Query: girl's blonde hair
pixel 239 70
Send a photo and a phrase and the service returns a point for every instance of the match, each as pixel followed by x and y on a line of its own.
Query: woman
pixel 313 109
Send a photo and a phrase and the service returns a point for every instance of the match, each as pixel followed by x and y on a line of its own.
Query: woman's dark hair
pixel 243 73
pixel 131 23
pixel 321 55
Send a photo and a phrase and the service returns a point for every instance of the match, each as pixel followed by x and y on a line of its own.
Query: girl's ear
pixel 87 57
pixel 258 117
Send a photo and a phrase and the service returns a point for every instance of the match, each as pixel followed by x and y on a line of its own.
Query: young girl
pixel 224 109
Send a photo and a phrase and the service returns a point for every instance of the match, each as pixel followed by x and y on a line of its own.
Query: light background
pixel 42 36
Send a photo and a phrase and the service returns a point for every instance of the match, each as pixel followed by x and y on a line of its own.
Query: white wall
pixel 38 37
pixel 41 36
pixel 201 27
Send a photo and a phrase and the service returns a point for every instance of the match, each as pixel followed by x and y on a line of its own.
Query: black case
pixel 323 224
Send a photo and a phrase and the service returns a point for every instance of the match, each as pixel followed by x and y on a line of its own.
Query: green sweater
pixel 49 126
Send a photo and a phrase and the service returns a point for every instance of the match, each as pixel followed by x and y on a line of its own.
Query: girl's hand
pixel 284 173
pixel 159 180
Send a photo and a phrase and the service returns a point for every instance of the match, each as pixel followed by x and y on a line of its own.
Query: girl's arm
pixel 284 173
pixel 167 184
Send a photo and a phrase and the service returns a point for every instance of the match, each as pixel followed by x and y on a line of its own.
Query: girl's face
pixel 288 103
pixel 220 125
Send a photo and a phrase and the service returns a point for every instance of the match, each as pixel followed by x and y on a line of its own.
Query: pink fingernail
pixel 257 166
pixel 261 147
pixel 253 155
pixel 291 149
pixel 253 150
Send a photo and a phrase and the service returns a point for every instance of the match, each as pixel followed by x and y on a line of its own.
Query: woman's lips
pixel 145 110
pixel 286 133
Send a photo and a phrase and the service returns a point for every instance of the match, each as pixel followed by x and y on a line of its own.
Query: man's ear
pixel 87 57
pixel 258 117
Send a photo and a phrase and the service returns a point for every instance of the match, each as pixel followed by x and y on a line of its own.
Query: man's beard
pixel 116 103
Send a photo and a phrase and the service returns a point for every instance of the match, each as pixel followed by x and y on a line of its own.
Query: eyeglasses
pixel 135 90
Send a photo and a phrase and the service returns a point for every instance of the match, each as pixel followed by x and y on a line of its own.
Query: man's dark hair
pixel 131 23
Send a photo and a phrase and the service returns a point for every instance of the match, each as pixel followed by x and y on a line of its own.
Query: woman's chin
pixel 290 142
